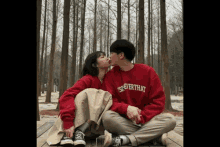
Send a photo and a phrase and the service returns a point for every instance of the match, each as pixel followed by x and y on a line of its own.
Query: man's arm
pixel 156 97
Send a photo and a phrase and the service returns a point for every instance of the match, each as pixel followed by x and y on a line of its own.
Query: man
pixel 138 100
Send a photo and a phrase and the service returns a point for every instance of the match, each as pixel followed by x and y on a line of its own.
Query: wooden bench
pixel 42 135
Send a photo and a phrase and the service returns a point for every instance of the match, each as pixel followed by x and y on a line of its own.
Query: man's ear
pixel 122 56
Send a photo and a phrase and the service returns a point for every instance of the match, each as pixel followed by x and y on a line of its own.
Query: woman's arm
pixel 66 101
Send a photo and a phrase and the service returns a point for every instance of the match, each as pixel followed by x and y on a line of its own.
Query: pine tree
pixel 65 45
pixel 118 19
pixel 50 86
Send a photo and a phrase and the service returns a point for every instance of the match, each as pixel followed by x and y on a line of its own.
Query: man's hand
pixel 134 113
pixel 70 131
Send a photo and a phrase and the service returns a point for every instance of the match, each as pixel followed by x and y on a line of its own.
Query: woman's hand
pixel 70 131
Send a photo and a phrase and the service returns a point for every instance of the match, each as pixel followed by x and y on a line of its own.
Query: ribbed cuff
pixel 67 124
pixel 133 140
pixel 142 118
pixel 124 108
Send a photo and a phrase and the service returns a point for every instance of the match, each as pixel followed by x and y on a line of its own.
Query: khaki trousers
pixel 117 124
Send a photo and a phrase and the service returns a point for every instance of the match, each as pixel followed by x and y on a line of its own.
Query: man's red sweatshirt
pixel 66 101
pixel 139 87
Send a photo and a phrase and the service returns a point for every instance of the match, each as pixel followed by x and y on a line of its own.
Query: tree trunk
pixel 101 29
pixel 45 62
pixel 39 4
pixel 65 45
pixel 168 105
pixel 73 65
pixel 82 37
pixel 136 55
pixel 94 39
pixel 77 24
pixel 49 87
pixel 141 32
pixel 148 43
pixel 151 35
pixel 42 53
pixel 118 19
pixel 128 20
pixel 159 67
pixel 108 32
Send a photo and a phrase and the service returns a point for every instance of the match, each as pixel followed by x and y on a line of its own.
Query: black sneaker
pixel 66 141
pixel 161 140
pixel 79 140
pixel 116 141
pixel 107 140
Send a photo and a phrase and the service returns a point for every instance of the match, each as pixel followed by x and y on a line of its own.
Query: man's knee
pixel 171 121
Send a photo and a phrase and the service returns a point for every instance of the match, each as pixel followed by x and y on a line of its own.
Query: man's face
pixel 114 58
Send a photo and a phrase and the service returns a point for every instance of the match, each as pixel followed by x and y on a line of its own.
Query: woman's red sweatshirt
pixel 66 101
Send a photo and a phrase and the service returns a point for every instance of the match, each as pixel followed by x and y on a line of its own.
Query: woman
pixel 95 67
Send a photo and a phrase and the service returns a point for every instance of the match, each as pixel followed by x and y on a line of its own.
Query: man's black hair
pixel 122 45
pixel 90 65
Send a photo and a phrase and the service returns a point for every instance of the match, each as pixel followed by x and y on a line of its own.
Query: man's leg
pixel 158 125
pixel 116 124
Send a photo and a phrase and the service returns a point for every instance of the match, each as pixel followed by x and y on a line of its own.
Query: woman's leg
pixel 84 126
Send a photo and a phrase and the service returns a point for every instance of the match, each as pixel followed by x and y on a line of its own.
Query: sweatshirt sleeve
pixel 66 101
pixel 156 97
pixel 117 106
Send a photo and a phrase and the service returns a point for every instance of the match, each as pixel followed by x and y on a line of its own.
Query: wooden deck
pixel 43 129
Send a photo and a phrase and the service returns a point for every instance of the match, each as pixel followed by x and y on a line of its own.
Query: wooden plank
pixel 42 129
pixel 174 139
pixel 43 133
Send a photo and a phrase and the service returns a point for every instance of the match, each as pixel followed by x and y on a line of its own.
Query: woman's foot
pixel 79 140
pixel 66 141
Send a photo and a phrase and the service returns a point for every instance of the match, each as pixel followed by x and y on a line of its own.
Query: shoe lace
pixel 117 142
pixel 79 135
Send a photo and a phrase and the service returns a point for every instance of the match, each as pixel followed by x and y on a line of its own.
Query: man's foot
pixel 79 140
pixel 160 140
pixel 66 141
pixel 107 140
pixel 116 141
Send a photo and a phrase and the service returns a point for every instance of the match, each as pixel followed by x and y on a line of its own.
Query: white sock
pixel 125 139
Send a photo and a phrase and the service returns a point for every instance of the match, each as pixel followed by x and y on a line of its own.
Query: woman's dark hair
pixel 123 45
pixel 90 65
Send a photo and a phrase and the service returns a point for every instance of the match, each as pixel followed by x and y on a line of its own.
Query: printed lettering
pixel 125 86
pixel 144 88
pixel 138 87
pixel 131 87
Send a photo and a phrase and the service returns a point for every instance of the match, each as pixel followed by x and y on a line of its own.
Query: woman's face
pixel 103 61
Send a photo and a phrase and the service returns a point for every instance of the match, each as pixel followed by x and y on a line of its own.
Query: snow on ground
pixel 176 101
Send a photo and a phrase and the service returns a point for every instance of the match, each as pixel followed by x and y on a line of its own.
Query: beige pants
pixel 117 124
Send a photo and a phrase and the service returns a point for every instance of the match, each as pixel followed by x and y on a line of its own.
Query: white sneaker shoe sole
pixel 79 142
pixel 67 141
